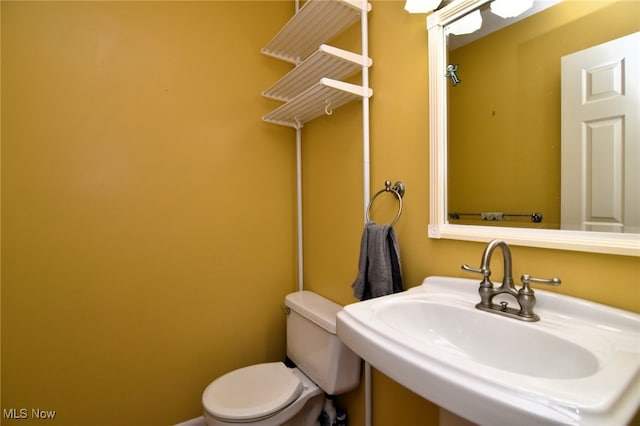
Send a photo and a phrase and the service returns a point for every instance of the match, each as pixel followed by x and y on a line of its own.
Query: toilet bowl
pixel 269 394
pixel 272 394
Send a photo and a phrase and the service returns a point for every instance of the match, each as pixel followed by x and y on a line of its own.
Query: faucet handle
pixel 528 279
pixel 484 271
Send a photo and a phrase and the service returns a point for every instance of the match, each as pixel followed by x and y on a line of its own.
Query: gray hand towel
pixel 379 268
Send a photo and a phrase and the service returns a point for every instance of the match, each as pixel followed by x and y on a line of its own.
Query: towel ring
pixel 398 190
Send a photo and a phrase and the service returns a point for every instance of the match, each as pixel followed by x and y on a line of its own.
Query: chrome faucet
pixel 525 296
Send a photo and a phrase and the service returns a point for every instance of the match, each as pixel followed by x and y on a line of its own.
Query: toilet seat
pixel 252 393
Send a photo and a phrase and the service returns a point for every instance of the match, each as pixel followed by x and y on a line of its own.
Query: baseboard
pixel 198 421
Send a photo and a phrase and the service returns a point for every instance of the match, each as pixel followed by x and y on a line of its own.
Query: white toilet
pixel 273 394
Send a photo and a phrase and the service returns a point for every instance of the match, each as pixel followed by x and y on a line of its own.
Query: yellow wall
pixel 146 210
pixel 520 66
pixel 148 213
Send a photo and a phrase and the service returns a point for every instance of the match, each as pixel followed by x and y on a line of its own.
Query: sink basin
pixel 463 332
pixel 580 364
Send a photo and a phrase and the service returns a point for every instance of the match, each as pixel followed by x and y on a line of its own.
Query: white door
pixel 601 137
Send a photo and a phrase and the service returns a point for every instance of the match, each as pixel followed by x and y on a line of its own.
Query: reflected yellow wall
pixel 148 215
pixel 507 158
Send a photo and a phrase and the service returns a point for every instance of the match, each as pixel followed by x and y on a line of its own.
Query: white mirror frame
pixel 587 241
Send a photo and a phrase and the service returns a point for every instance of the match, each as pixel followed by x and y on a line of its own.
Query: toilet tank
pixel 313 345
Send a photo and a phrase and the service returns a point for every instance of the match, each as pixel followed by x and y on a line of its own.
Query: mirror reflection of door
pixel 601 137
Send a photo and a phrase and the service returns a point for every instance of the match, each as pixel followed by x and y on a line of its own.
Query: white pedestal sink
pixel 580 364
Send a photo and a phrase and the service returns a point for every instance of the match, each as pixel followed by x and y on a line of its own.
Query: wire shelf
pixel 327 61
pixel 322 98
pixel 315 23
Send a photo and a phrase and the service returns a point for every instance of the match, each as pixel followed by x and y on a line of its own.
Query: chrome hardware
pixel 451 73
pixel 484 272
pixel 524 296
pixel 496 216
pixel 397 190
pixel 528 279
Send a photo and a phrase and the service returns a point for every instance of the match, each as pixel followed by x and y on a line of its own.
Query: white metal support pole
pixel 367 393
pixel 299 206
pixel 299 194
pixel 366 179
pixel 365 109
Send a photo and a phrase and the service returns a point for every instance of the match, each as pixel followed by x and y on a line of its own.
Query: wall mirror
pixel 496 137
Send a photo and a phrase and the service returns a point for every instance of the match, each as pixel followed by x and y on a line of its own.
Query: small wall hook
pixel 327 107
pixel 451 73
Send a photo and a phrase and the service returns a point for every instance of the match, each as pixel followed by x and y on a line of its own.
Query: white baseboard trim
pixel 198 421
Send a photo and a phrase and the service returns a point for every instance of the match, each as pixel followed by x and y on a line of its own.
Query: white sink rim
pixel 480 392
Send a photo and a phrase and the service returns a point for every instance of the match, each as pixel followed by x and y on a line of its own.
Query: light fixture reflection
pixel 421 6
pixel 465 25
pixel 510 8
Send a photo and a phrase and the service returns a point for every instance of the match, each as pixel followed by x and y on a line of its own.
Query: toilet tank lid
pixel 315 308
